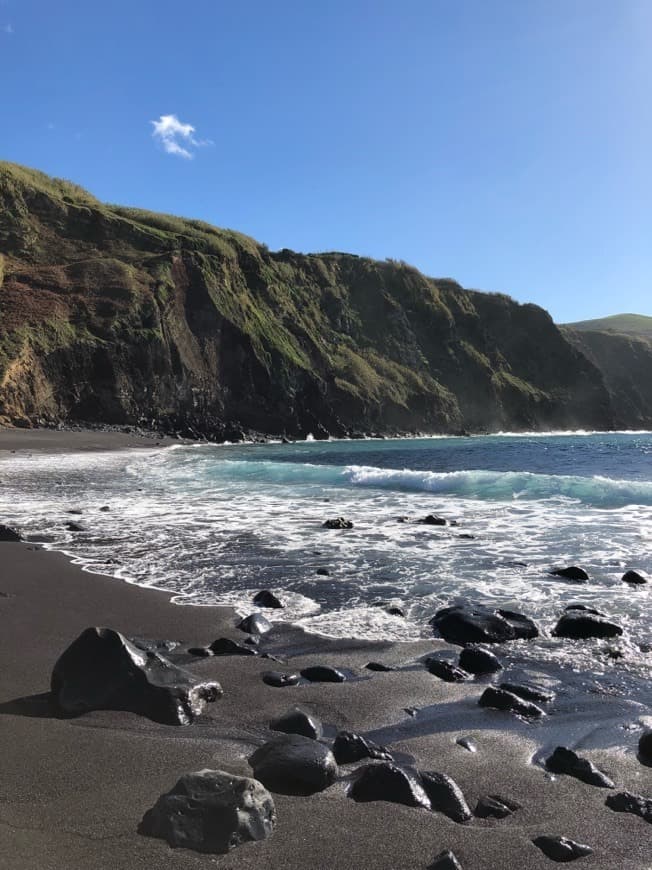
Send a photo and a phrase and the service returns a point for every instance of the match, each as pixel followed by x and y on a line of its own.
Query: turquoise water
pixel 215 523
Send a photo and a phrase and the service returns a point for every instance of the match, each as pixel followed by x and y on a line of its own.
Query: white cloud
pixel 7 28
pixel 176 137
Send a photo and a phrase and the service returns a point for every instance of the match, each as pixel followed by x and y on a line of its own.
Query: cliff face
pixel 116 315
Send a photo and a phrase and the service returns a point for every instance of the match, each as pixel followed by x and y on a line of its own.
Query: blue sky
pixel 504 143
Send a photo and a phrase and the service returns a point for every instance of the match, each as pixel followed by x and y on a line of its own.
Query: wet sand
pixel 73 791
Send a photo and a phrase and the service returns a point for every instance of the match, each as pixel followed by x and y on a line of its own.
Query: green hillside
pixel 629 324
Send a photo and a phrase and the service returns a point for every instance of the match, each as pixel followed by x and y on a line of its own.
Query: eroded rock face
pixel 211 811
pixel 500 699
pixel 297 721
pixel 626 802
pixel 349 747
pixel 294 764
pixel 564 760
pixel 445 795
pixel 103 670
pixel 388 782
pixel 561 848
pixel 576 623
pixel 473 623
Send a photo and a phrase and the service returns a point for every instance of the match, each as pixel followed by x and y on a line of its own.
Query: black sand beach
pixel 73 791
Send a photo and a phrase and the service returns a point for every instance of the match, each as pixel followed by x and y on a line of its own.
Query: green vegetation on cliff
pixel 120 315
pixel 632 324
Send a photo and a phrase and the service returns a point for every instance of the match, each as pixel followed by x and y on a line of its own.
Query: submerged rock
pixel 576 623
pixel 564 760
pixel 473 623
pixel 75 527
pixel 255 623
pixel 577 575
pixel 561 848
pixel 388 782
pixel 265 598
pixel 279 680
pixel 495 807
pixel 224 646
pixel 433 520
pixel 103 670
pixel 635 578
pixel 297 721
pixel 323 674
pixel 7 535
pixel 529 692
pixel 477 660
pixel 211 811
pixel 446 860
pixel 338 523
pixel 626 802
pixel 445 795
pixel 446 671
pixel 349 747
pixel 500 699
pixel 294 765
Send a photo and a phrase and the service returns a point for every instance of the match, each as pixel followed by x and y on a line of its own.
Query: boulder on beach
pixel 529 692
pixel 477 660
pixel 564 760
pixel 224 646
pixel 445 795
pixel 579 623
pixel 573 572
pixel 323 674
pixel 349 747
pixel 255 623
pixel 446 671
pixel 500 699
pixel 494 806
pixel 265 598
pixel 211 811
pixel 561 848
pixel 389 782
pixel 645 747
pixel 279 679
pixel 338 523
pixel 446 860
pixel 474 623
pixel 379 667
pixel 103 670
pixel 626 802
pixel 9 535
pixel 297 721
pixel 294 764
pixel 634 578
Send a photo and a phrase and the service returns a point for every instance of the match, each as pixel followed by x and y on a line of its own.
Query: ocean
pixel 213 524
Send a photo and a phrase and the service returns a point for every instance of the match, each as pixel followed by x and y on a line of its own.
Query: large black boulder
pixel 476 660
pixel 500 699
pixel 297 721
pixel 445 795
pixel 338 523
pixel 561 849
pixel 294 764
pixel 645 747
pixel 265 598
pixel 577 575
pixel 349 747
pixel 474 623
pixel 626 802
pixel 576 623
pixel 103 670
pixel 634 578
pixel 388 782
pixel 255 623
pixel 7 534
pixel 211 811
pixel 564 760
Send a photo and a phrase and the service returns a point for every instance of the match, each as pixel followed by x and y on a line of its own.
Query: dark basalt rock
pixel 495 807
pixel 529 692
pixel 200 651
pixel 105 509
pixel 265 598
pixel 645 747
pixel 561 848
pixel 7 534
pixel 577 575
pixel 564 760
pixel 576 623
pixel 255 623
pixel 433 520
pixel 294 765
pixel 446 860
pixel 467 743
pixel 635 578
pixel 211 811
pixel 349 747
pixel 473 623
pixel 500 699
pixel 446 671
pixel 323 674
pixel 252 640
pixel 378 666
pixel 323 572
pixel 102 670
pixel 224 646
pixel 75 527
pixel 388 782
pixel 626 802
pixel 338 523
pixel 445 796
pixel 477 660
pixel 279 680
pixel 297 721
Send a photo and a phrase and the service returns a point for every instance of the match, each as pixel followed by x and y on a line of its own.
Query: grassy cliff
pixel 120 315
